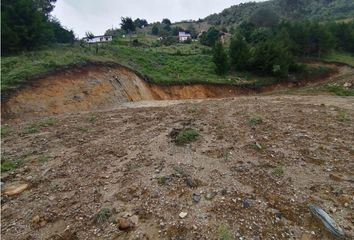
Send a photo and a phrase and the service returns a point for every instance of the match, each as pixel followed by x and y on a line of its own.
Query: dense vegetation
pixel 274 50
pixel 261 51
pixel 285 9
pixel 27 24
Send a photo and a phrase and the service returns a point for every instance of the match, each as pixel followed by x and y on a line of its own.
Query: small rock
pixel 191 182
pixel 246 203
pixel 125 224
pixel 183 215
pixel 196 197
pixel 210 195
pixel 278 216
pixel 223 192
pixel 335 177
pixel 347 85
pixel 15 188
pixel 135 220
pixel 258 146
pixel 36 219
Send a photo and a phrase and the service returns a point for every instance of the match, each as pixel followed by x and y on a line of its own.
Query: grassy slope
pixel 181 63
pixel 340 57
pixel 176 64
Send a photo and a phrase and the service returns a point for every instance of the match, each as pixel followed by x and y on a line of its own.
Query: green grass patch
pixel 255 121
pixel 103 215
pixel 9 164
pixel 47 122
pixel 186 136
pixel 278 171
pixel 164 65
pixel 92 119
pixel 343 117
pixel 5 130
pixel 32 129
pixel 340 90
pixel 224 233
pixel 340 57
pixel 43 158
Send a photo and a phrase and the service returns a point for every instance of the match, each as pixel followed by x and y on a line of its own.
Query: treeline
pixel 273 50
pixel 286 9
pixel 27 24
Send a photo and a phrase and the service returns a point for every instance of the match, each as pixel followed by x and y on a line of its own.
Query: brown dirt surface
pixel 255 166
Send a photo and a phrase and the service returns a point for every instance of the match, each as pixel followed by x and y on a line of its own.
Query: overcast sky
pixel 99 15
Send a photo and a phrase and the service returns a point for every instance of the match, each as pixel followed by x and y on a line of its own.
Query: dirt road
pixel 256 165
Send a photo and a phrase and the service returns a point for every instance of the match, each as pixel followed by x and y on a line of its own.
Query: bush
pixel 210 37
pixel 273 58
pixel 186 136
pixel 239 53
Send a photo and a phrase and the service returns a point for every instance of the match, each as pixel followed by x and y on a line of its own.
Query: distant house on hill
pixel 98 39
pixel 183 36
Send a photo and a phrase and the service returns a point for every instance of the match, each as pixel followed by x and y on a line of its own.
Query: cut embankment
pixel 103 86
pixel 96 86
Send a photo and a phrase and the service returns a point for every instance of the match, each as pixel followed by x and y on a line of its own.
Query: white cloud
pixel 99 15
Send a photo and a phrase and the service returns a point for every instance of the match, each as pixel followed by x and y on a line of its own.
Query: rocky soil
pixel 253 169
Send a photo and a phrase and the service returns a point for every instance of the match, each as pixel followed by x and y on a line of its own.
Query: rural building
pixel 183 36
pixel 98 39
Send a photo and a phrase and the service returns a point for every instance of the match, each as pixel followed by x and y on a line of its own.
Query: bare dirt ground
pixel 118 174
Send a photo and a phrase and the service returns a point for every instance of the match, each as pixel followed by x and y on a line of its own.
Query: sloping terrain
pixel 256 165
pixel 286 9
pixel 104 86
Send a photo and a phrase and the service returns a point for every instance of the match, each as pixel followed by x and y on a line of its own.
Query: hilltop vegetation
pixel 257 53
pixel 285 9
pixel 27 24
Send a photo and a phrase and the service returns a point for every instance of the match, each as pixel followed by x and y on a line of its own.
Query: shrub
pixel 239 53
pixel 186 136
pixel 103 215
pixel 255 121
pixel 210 37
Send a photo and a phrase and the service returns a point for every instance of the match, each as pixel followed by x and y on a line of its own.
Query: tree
pixel 140 23
pixel 220 59
pixel 167 27
pixel 272 57
pixel 23 26
pixel 264 17
pixel 127 25
pixel 45 6
pixel 210 37
pixel 175 30
pixel 166 21
pixel 27 24
pixel 239 53
pixel 155 30
pixel 61 34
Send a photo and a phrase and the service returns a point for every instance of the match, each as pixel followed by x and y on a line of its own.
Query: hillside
pixel 286 9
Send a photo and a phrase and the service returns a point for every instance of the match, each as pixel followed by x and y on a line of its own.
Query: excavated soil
pixel 100 86
pixel 95 87
pixel 252 172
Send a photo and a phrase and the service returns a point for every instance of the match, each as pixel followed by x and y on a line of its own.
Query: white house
pixel 183 36
pixel 98 39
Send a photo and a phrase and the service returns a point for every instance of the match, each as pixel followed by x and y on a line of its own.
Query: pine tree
pixel 220 59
